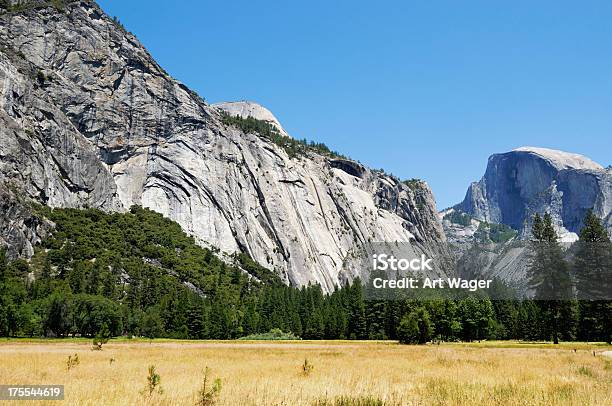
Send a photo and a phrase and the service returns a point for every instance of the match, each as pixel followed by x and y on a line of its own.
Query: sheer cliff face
pixel 87 118
pixel 529 180
pixel 516 185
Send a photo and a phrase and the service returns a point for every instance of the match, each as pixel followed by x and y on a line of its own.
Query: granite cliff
pixel 89 119
pixel 529 180
pixel 487 232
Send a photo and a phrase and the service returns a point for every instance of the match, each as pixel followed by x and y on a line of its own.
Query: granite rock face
pixel 530 180
pixel 480 250
pixel 89 119
pixel 516 185
pixel 21 228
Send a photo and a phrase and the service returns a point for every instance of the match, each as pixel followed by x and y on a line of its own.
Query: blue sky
pixel 425 89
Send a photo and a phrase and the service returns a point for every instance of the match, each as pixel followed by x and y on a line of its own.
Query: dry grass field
pixel 343 373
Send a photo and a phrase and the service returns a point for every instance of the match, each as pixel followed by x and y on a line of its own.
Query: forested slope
pixel 139 274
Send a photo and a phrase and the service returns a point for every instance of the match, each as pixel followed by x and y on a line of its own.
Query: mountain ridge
pixel 89 119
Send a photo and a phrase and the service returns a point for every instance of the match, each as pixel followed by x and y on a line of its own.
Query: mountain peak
pixel 530 180
pixel 562 159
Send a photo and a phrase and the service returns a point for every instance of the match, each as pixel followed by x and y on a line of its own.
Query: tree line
pixel 293 147
pixel 139 274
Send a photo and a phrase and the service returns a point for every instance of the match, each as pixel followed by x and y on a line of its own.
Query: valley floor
pixel 343 372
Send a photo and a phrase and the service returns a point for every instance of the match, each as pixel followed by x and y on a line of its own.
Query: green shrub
pixel 207 396
pixel 274 334
pixel 101 338
pixel 153 381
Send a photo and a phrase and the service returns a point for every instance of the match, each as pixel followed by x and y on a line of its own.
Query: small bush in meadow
pixel 101 338
pixel 73 361
pixel 153 382
pixel 274 334
pixel 307 367
pixel 208 395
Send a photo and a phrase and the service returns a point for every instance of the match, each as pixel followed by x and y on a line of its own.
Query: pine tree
pixel 529 321
pixel 376 320
pixel 593 270
pixel 251 318
pixel 357 321
pixel 195 320
pixel 537 228
pixel 549 276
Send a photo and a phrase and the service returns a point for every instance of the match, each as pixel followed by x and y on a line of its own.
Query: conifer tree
pixel 550 277
pixel 593 270
pixel 357 323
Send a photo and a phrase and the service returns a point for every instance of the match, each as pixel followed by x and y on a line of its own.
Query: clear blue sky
pixel 425 89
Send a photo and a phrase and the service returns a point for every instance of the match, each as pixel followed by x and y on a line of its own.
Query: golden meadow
pixel 312 372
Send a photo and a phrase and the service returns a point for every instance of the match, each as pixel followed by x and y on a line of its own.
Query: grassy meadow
pixel 336 372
